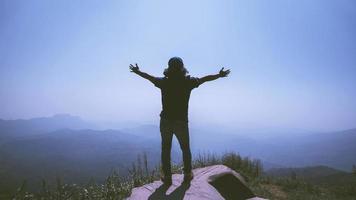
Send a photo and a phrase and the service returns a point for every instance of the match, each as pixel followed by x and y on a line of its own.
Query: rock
pixel 210 183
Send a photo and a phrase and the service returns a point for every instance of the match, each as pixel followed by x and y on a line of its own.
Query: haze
pixel 293 63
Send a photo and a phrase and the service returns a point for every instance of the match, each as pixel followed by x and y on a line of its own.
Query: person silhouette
pixel 176 87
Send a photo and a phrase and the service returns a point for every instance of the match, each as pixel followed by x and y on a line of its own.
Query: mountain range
pixel 68 147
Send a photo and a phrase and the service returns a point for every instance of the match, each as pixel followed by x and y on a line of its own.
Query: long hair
pixel 175 68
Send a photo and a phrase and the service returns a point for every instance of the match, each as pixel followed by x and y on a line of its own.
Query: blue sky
pixel 293 63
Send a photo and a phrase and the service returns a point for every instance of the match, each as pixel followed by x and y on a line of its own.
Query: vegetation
pixel 116 187
pixel 298 189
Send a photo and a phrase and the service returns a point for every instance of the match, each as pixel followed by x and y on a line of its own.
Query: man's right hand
pixel 137 71
pixel 135 68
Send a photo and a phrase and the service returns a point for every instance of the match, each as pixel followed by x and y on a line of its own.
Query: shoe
pixel 188 177
pixel 167 180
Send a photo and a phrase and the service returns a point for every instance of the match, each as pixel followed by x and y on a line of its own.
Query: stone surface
pixel 210 183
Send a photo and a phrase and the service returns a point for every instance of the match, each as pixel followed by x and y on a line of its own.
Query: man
pixel 175 87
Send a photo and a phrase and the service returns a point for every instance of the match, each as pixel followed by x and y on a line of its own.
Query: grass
pixel 116 187
pixel 297 189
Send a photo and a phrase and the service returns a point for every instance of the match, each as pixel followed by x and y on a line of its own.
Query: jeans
pixel 181 131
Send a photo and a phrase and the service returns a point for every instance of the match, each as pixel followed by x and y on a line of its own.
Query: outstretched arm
pixel 135 69
pixel 222 73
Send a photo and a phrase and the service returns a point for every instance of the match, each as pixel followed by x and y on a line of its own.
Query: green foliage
pixel 245 166
pixel 295 188
pixel 249 168
pixel 116 187
pixel 113 188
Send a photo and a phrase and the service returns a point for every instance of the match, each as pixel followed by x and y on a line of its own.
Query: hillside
pixel 74 155
pixel 305 172
pixel 11 129
pixel 213 180
pixel 68 147
pixel 319 175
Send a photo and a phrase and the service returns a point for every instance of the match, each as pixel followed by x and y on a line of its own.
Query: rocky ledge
pixel 215 182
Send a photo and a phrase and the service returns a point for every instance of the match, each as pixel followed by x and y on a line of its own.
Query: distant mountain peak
pixel 64 115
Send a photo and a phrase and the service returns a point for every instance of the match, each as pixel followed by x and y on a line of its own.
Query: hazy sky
pixel 293 63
